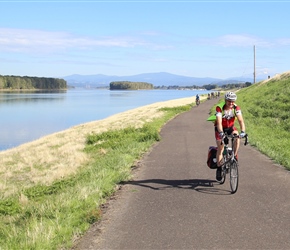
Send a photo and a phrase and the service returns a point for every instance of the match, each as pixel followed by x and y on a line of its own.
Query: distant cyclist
pixel 197 100
pixel 225 121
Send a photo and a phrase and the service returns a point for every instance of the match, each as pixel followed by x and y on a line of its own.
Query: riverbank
pixel 53 189
pixel 60 154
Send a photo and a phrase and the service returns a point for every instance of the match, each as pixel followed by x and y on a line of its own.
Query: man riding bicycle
pixel 225 121
pixel 197 99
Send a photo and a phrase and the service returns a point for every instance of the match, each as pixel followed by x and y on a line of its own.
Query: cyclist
pixel 197 99
pixel 225 121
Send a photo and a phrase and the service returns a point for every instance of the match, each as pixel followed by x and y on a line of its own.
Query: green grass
pixel 266 110
pixel 53 216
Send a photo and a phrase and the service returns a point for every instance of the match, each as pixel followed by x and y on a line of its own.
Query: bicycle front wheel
pixel 224 173
pixel 234 176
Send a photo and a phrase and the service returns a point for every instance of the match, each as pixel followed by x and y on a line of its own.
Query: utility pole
pixel 254 64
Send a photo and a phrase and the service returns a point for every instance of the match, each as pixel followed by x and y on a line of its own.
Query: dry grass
pixel 277 77
pixel 61 154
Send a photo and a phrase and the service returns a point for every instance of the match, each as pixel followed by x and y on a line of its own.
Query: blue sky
pixel 190 38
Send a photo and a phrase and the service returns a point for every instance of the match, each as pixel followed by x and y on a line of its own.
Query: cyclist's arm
pixel 219 125
pixel 241 122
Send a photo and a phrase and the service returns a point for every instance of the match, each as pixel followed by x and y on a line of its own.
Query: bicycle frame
pixel 230 163
pixel 228 153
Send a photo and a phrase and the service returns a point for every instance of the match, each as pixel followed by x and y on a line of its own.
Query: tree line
pixel 207 86
pixel 28 82
pixel 126 85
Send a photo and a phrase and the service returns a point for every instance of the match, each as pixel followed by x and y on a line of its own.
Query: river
pixel 27 116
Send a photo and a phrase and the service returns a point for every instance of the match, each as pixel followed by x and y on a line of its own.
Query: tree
pixel 126 85
pixel 26 82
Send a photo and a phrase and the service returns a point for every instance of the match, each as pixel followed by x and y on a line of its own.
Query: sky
pixel 219 39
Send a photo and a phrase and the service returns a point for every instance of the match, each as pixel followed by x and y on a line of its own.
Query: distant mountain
pixel 157 79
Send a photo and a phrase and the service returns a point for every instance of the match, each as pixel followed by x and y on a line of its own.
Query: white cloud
pixel 21 40
pixel 284 41
pixel 237 40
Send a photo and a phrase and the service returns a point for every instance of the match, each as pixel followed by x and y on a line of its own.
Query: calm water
pixel 29 116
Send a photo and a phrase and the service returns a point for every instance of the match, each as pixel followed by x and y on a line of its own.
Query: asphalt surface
pixel 174 201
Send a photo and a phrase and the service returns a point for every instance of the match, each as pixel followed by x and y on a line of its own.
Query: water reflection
pixel 26 116
pixel 33 96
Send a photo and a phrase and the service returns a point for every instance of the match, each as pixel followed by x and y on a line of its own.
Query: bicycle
pixel 230 163
pixel 197 102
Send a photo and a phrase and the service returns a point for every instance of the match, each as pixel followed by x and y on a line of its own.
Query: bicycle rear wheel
pixel 234 176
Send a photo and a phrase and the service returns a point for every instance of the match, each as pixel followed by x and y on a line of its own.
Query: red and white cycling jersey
pixel 228 116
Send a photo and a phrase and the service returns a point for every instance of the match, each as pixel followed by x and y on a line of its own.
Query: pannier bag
pixel 211 158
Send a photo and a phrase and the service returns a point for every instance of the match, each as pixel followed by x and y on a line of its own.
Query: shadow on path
pixel 200 185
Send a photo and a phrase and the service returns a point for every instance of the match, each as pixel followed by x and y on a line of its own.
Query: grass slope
pixel 52 216
pixel 266 110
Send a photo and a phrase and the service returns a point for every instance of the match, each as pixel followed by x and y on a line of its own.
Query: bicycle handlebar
pixel 246 139
pixel 235 136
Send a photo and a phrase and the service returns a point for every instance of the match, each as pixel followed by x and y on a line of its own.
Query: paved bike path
pixel 174 202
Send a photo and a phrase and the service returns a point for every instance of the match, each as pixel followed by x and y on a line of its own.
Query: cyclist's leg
pixel 219 157
pixel 237 142
pixel 219 153
pixel 220 147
